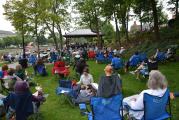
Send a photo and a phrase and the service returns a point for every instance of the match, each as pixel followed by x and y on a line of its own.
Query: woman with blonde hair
pixel 157 86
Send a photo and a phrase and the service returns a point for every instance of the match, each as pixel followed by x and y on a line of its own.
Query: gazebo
pixel 86 33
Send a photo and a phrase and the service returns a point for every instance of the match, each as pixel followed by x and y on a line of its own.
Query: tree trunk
pixel 117 31
pixel 127 25
pixel 54 36
pixel 23 41
pixel 61 37
pixel 141 25
pixel 176 8
pixel 98 32
pixel 155 16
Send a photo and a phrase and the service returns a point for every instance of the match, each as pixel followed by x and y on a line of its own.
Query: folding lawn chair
pixel 61 69
pixel 134 61
pixel 155 108
pixel 91 55
pixel 161 57
pixel 66 89
pixel 143 57
pixel 100 58
pixel 117 64
pixel 41 70
pixel 104 108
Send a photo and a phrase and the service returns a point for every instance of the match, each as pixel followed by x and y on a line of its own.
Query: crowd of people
pixel 19 103
pixel 20 100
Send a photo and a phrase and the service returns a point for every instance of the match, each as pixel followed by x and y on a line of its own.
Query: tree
pixel 110 9
pixel 90 14
pixel 56 17
pixel 15 12
pixel 109 32
pixel 155 17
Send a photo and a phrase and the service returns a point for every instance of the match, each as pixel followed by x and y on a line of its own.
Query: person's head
pixel 108 70
pixel 18 67
pixel 5 67
pixel 11 71
pixel 39 62
pixel 156 80
pixel 21 87
pixel 152 58
pixel 85 71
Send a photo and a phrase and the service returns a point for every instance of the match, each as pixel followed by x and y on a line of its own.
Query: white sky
pixel 6 25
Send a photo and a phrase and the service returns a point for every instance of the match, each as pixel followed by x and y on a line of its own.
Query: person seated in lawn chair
pixel 170 54
pixel 157 86
pixel 142 70
pixel 86 78
pixel 84 54
pixel 86 92
pixel 91 54
pixel 100 57
pixel 60 68
pixel 117 63
pixel 152 64
pixel 53 57
pixel 20 72
pixel 32 59
pixel 4 70
pixel 9 81
pixel 110 84
pixel 133 61
pixel 80 65
pixel 19 104
pixel 40 68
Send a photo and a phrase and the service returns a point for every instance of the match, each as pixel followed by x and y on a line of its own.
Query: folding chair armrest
pixel 126 106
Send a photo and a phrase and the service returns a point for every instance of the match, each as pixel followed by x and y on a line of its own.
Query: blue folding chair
pixel 110 57
pixel 117 63
pixel 100 57
pixel 32 59
pixel 134 60
pixel 104 108
pixel 41 70
pixel 155 108
pixel 143 57
pixel 65 88
pixel 161 57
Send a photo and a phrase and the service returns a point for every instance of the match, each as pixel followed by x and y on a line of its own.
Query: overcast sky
pixel 6 25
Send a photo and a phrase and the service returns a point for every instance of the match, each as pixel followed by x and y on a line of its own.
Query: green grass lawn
pixel 59 109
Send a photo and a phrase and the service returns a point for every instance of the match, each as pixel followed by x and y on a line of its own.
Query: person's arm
pixel 92 81
pixel 38 98
pixel 99 92
pixel 80 82
pixel 137 103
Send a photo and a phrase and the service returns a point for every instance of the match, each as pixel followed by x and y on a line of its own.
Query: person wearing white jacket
pixel 157 86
